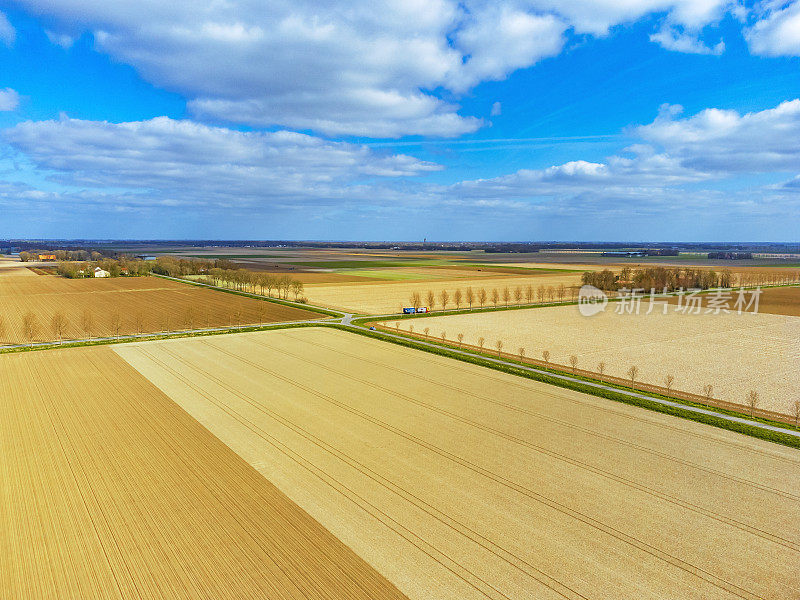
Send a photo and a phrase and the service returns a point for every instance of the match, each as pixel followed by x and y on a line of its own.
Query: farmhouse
pixel 98 272
pixel 47 257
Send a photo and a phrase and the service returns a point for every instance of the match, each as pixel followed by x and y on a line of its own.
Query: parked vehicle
pixel 422 309
pixel 409 311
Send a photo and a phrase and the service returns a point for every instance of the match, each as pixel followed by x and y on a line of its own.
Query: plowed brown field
pixel 110 490
pixel 455 481
pixel 143 304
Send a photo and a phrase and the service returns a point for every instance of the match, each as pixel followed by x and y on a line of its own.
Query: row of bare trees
pixel 752 399
pixel 33 330
pixel 255 282
pixel 507 296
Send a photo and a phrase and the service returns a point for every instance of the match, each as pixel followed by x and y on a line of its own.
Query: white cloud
pixel 377 68
pixel 9 99
pixel 672 38
pixel 7 32
pixel 497 110
pixel 196 164
pixel 60 39
pixel 777 32
pixel 726 141
pixel 677 164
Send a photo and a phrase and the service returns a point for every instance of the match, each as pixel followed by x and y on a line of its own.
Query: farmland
pixel 733 353
pixel 458 482
pixel 124 305
pixel 110 490
pixel 390 297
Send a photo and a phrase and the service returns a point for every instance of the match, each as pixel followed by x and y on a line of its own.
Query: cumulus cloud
pixel 675 164
pixel 726 141
pixel 672 38
pixel 7 32
pixel 60 39
pixel 197 164
pixel 377 68
pixel 777 31
pixel 497 110
pixel 9 99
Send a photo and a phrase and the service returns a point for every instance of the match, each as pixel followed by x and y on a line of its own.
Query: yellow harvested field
pixel 142 304
pixel 390 297
pixel 110 490
pixel 455 481
pixel 733 353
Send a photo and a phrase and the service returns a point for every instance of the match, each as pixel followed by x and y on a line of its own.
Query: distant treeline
pixel 61 255
pixel 731 255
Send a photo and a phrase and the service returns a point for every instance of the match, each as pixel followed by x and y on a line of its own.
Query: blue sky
pixel 530 120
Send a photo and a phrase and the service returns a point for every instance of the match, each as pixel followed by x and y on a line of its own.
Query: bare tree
pixel 633 373
pixel 668 381
pixel 444 299
pixel 458 299
pixel 262 312
pixel 470 297
pixel 237 315
pixel 540 292
pixel 30 326
pixel 115 322
pixel 601 368
pixel 518 295
pixel 499 344
pixel 410 328
pixel 752 401
pixel 562 291
pixel 58 324
pixel 708 392
pixel 482 296
pixel 546 356
pixel 139 320
pixel 796 411
pixel 431 300
pixel 416 302
pixel 460 337
pixel 495 297
pixel 521 352
pixel 427 330
pixel 481 342
pixel 188 318
pixel 573 361
pixel 529 294
pixel 444 336
pixel 506 295
pixel 297 289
